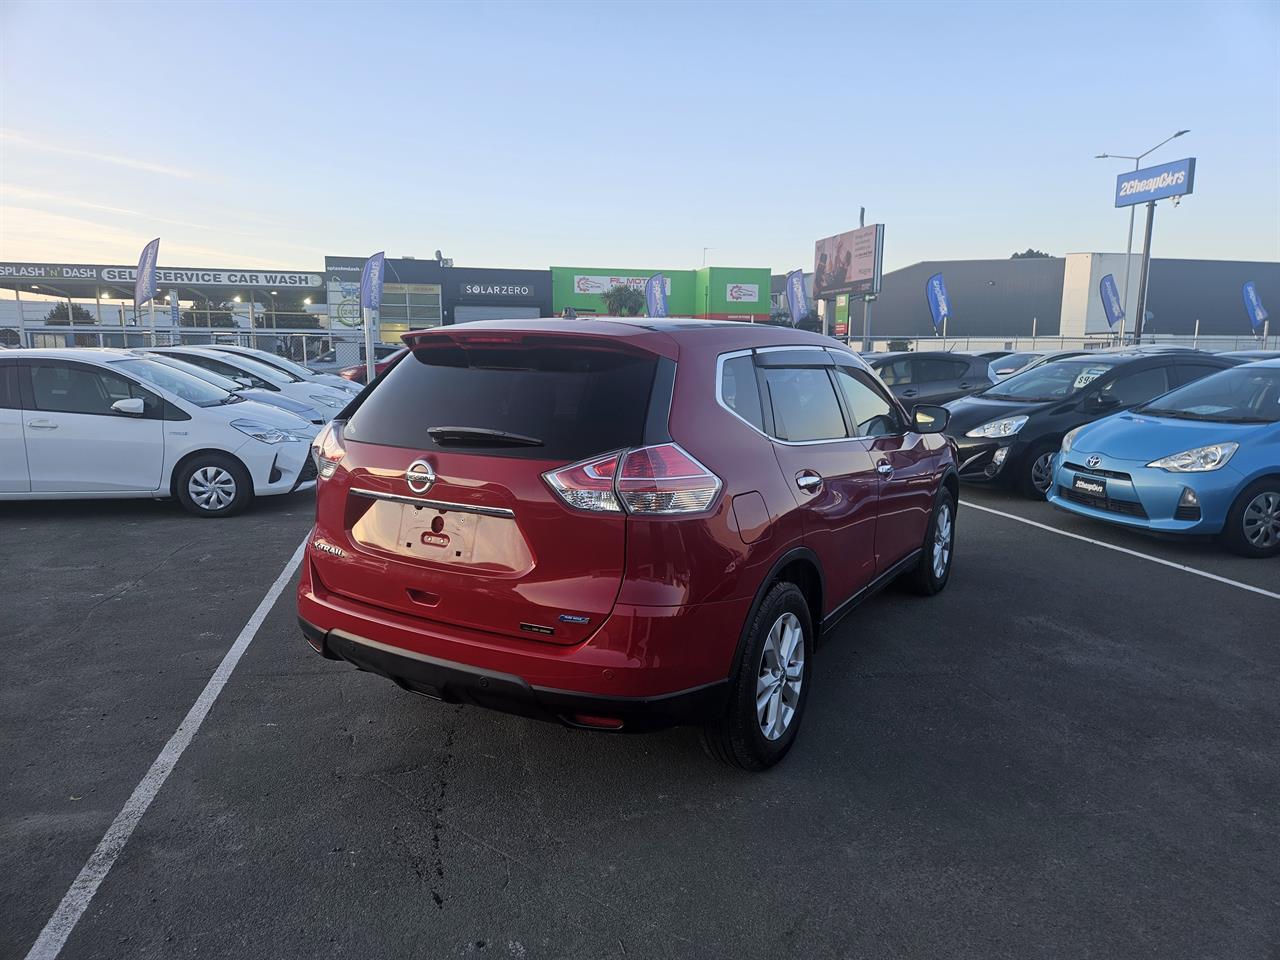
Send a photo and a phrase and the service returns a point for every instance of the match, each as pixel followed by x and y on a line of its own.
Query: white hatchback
pixel 109 424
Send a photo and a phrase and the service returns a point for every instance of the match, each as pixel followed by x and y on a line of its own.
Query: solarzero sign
pixel 1156 183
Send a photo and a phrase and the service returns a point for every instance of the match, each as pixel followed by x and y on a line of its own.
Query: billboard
pixel 1155 183
pixel 849 262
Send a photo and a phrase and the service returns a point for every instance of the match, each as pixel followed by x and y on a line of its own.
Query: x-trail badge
pixel 420 476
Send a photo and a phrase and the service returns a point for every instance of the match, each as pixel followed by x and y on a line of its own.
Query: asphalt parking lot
pixel 1071 752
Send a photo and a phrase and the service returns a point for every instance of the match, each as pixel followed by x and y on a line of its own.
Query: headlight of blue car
pixel 1199 460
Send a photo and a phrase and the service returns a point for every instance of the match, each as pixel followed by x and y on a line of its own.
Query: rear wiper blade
pixel 482 436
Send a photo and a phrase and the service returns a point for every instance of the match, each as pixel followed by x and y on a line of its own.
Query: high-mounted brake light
pixel 661 479
pixel 328 449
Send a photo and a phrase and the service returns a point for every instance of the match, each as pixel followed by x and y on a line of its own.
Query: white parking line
pixel 54 935
pixel 1133 553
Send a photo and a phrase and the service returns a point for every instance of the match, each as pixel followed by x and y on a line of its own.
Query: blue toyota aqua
pixel 1203 459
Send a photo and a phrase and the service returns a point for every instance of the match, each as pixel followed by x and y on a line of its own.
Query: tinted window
pixel 1130 388
pixel 9 386
pixel 872 414
pixel 70 388
pixel 1240 395
pixel 931 369
pixel 1190 372
pixel 804 404
pixel 1013 362
pixel 576 400
pixel 738 390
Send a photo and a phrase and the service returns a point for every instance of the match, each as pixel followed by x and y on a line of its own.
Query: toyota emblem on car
pixel 1091 463
pixel 420 476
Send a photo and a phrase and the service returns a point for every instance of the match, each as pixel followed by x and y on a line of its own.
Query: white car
pixel 289 366
pixel 327 400
pixel 109 424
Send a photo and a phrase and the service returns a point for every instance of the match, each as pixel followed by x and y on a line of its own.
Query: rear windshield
pixel 572 401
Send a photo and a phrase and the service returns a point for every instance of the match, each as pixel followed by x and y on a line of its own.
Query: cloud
pixel 22 139
pixel 34 235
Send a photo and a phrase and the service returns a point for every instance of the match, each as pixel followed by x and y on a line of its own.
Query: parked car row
pixel 116 424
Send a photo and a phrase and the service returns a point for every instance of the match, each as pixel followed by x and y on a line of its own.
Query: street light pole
pixel 1128 250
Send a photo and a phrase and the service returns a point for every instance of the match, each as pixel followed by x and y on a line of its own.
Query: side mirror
pixel 130 406
pixel 1102 401
pixel 926 418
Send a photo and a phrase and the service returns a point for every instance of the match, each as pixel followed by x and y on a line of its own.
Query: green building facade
pixel 719 293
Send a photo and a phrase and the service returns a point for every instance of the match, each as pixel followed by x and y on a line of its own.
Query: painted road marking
pixel 1133 553
pixel 54 935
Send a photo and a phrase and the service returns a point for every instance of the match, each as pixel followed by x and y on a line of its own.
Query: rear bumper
pixel 462 683
pixel 651 666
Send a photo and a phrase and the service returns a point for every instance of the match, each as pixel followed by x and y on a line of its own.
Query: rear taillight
pixel 351 373
pixel 662 479
pixel 328 449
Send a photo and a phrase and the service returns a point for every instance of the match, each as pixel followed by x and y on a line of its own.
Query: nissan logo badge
pixel 420 476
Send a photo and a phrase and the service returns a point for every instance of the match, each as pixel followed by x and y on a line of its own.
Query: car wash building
pixel 417 294
pixel 715 293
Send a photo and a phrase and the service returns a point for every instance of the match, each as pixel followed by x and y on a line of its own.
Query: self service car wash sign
pixel 1110 299
pixel 1155 183
pixel 655 295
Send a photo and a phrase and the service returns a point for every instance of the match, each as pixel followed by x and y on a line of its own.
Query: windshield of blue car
pixel 1056 380
pixel 1239 395
pixel 182 385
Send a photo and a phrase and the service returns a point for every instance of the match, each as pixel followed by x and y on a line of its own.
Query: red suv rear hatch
pixel 439 498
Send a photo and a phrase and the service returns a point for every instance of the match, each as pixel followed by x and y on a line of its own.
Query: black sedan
pixel 1009 432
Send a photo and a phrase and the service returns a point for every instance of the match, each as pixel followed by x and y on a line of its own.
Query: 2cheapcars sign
pixel 188 276
pixel 1155 183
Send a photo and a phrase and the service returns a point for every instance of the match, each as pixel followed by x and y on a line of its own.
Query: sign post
pixel 370 303
pixel 1174 179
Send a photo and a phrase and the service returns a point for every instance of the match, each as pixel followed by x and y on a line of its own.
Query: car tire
pixel 1253 522
pixel 1038 457
pixel 754 737
pixel 213 485
pixel 934 570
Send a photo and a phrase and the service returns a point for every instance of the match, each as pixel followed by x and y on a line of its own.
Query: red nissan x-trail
pixel 620 524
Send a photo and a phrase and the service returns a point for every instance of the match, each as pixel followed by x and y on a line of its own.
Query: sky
pixel 269 134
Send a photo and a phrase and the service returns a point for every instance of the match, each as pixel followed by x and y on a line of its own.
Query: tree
pixel 1030 254
pixel 205 314
pixel 58 315
pixel 624 301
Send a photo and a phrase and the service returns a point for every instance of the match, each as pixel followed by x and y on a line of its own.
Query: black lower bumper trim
pixel 461 683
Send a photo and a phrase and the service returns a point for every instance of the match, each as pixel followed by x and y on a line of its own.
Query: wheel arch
pixel 186 458
pixel 800 566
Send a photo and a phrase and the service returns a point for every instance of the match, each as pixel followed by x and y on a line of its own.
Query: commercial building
pixel 1058 297
pixel 716 293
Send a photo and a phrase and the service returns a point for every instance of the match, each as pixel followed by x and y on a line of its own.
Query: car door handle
pixel 808 481
pixel 884 468
pixel 41 425
pixel 909 393
pixel 965 386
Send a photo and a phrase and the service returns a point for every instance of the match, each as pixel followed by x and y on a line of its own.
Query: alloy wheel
pixel 942 541
pixel 1042 472
pixel 212 488
pixel 1262 520
pixel 780 676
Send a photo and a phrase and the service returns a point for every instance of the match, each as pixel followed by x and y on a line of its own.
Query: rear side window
pixel 804 404
pixel 574 400
pixel 1138 387
pixel 895 372
pixel 739 392
pixel 9 386
pixel 926 371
